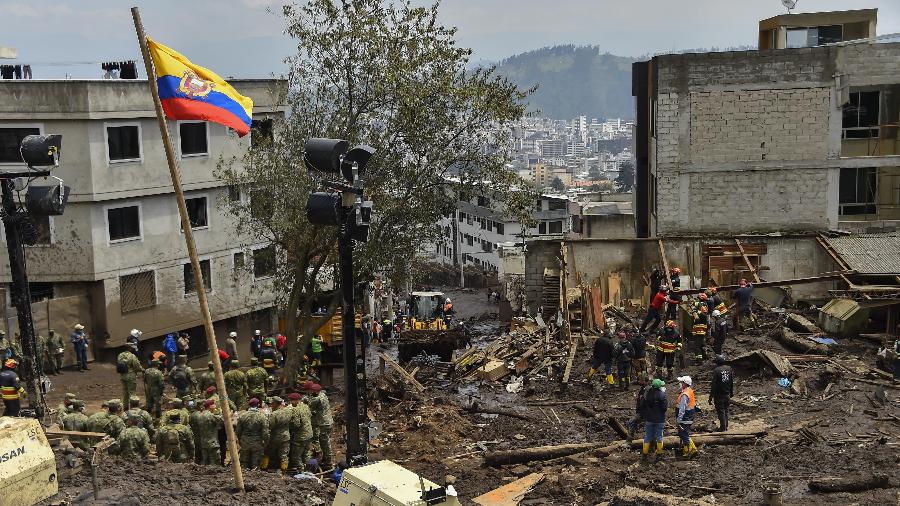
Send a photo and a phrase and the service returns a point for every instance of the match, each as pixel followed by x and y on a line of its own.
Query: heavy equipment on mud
pixel 27 465
pixel 428 329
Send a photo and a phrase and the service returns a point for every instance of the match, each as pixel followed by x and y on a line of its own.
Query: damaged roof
pixel 869 253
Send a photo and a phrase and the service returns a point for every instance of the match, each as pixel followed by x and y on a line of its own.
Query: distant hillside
pixel 573 81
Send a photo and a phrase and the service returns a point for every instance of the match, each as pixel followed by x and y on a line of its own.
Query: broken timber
pixel 511 493
pixel 504 457
pixel 713 438
pixel 790 340
pixel 397 367
pixel 826 276
pixel 572 350
pixel 851 484
pixel 477 408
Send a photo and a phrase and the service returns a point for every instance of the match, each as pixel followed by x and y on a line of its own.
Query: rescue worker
pixel 654 410
pixel 700 326
pixel 182 377
pixel 667 344
pixel 269 357
pixel 154 385
pixel 128 366
pixel 386 329
pixel 207 378
pixel 316 349
pixel 77 421
pixel 602 355
pixel 11 388
pixel 321 420
pixel 448 312
pixel 278 449
pixel 135 411
pixel 719 324
pixel 639 415
pixel 208 424
pixel 256 343
pixel 657 278
pixel 231 345
pixel 236 385
pixel 56 349
pixel 175 441
pixel 257 380
pixel 744 298
pixel 107 421
pixel 80 342
pixel 639 359
pixel 656 309
pixel 252 433
pixel 134 441
pixel 170 346
pixel 176 407
pixel 8 348
pixel 721 390
pixel 687 405
pixel 623 353
pixel 301 432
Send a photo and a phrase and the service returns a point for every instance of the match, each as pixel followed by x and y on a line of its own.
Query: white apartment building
pixel 116 259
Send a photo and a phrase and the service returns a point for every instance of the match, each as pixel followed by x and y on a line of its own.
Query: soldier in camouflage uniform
pixel 174 440
pixel 154 385
pixel 257 380
pixel 9 348
pixel 321 419
pixel 64 408
pixel 176 406
pixel 143 417
pixel 279 436
pixel 301 432
pixel 128 366
pixel 108 421
pixel 77 421
pixel 253 435
pixel 207 379
pixel 194 408
pixel 208 425
pixel 56 349
pixel 182 378
pixel 134 443
pixel 236 385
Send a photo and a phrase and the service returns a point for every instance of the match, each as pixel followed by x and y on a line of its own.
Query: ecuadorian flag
pixel 189 91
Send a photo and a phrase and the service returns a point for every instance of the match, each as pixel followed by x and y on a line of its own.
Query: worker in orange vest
pixel 687 407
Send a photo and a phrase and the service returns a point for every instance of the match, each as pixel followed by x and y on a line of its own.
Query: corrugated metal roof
pixel 869 253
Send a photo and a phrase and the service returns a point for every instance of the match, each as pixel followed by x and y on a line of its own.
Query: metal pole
pixel 351 409
pixel 31 366
pixel 192 253
pixel 457 251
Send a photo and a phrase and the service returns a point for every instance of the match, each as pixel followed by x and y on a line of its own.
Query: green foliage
pixel 594 174
pixel 602 186
pixel 386 74
pixel 573 81
pixel 625 180
pixel 557 184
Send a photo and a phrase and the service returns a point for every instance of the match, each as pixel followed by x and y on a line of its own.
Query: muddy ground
pixel 850 432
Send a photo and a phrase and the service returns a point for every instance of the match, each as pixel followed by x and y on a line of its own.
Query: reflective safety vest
pixel 722 308
pixel 10 389
pixel 668 342
pixel 689 410
pixel 267 356
pixel 699 329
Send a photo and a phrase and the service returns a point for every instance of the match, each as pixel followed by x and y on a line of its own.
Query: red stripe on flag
pixel 187 109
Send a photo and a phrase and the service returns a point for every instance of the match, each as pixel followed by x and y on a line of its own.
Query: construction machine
pixel 27 465
pixel 426 311
pixel 427 331
pixel 386 482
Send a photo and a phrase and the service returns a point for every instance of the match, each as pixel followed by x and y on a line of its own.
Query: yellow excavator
pixel 426 311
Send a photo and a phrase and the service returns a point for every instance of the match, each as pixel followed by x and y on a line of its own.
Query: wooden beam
pixel 572 350
pixel 747 261
pixel 397 367
pixel 668 277
pixel 823 242
pixel 826 276
pixel 74 433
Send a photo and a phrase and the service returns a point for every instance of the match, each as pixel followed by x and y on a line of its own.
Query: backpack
pixel 179 378
pixel 121 367
pixel 172 441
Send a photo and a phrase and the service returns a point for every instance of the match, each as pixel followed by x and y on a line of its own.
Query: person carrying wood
pixel 687 407
pixel 656 309
pixel 654 407
pixel 744 298
pixel 669 342
pixel 721 390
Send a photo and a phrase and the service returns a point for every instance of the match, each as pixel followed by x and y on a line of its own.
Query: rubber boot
pixel 645 452
pixel 282 468
pixel 610 380
pixel 591 372
pixel 660 452
pixel 685 451
pixel 264 465
pixel 692 449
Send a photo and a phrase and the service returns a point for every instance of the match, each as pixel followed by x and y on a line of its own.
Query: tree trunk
pixel 498 411
pixel 504 457
pixel 850 484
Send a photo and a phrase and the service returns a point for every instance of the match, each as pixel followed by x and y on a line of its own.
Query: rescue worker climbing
pixel 656 310
pixel 687 406
pixel 668 343
pixel 11 388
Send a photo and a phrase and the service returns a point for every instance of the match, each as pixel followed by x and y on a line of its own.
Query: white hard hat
pixel 79 326
pixel 448 299
pixel 257 332
pixel 232 334
pixel 686 380
pixel 716 313
pixel 135 333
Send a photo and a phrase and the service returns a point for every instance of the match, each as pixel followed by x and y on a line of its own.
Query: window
pixel 264 262
pixel 189 285
pixel 484 201
pixel 499 228
pixel 555 227
pixel 234 193
pixel 193 138
pixel 238 260
pixel 123 143
pixel 462 217
pixel 557 205
pixel 814 36
pixel 10 139
pixel 124 223
pixel 857 190
pixel 261 129
pixel 469 240
pixel 861 115
pixel 197 212
pixel 487 246
pixel 40 291
pixel 483 223
pixel 542 228
pixel 43 231
pixel 137 291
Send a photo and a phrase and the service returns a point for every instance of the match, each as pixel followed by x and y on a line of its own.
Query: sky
pixel 243 38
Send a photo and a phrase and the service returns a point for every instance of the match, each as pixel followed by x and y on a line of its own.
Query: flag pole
pixel 192 252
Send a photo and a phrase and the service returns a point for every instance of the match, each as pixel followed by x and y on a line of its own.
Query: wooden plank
pixel 823 242
pixel 826 276
pixel 597 308
pixel 73 433
pixel 668 273
pixel 747 261
pixel 397 367
pixel 572 350
pixel 510 494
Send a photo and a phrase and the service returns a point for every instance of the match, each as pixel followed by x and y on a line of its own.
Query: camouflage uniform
pixel 253 435
pixel 177 408
pixel 129 379
pixel 279 438
pixel 145 421
pixel 134 443
pixel 207 379
pixel 106 421
pixel 77 421
pixel 236 386
pixel 175 442
pixel 208 425
pixel 301 435
pixel 56 351
pixel 321 422
pixel 194 424
pixel 154 386
pixel 64 408
pixel 257 378
pixel 183 391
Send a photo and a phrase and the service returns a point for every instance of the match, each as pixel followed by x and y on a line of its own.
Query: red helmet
pixel 704 309
pixel 703 296
pixel 712 289
pixel 671 324
pixel 676 270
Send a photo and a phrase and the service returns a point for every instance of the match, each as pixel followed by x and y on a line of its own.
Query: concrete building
pixel 116 259
pixel 790 140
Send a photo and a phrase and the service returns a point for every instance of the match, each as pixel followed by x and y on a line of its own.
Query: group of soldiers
pixel 271 432
pixel 51 349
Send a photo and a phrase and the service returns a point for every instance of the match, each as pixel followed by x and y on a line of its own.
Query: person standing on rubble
pixel 668 343
pixel 252 432
pixel 721 390
pixel 175 441
pixel 687 407
pixel 321 419
pixel 56 350
pixel 656 309
pixel 719 324
pixel 639 359
pixel 602 355
pixel 236 385
pixel 128 366
pixel 654 407
pixel 207 378
pixel 623 352
pixel 301 432
pixel 134 441
pixel 154 385
pixel 208 424
pixel 700 326
pixel 279 446
pixel 639 415
pixel 744 298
